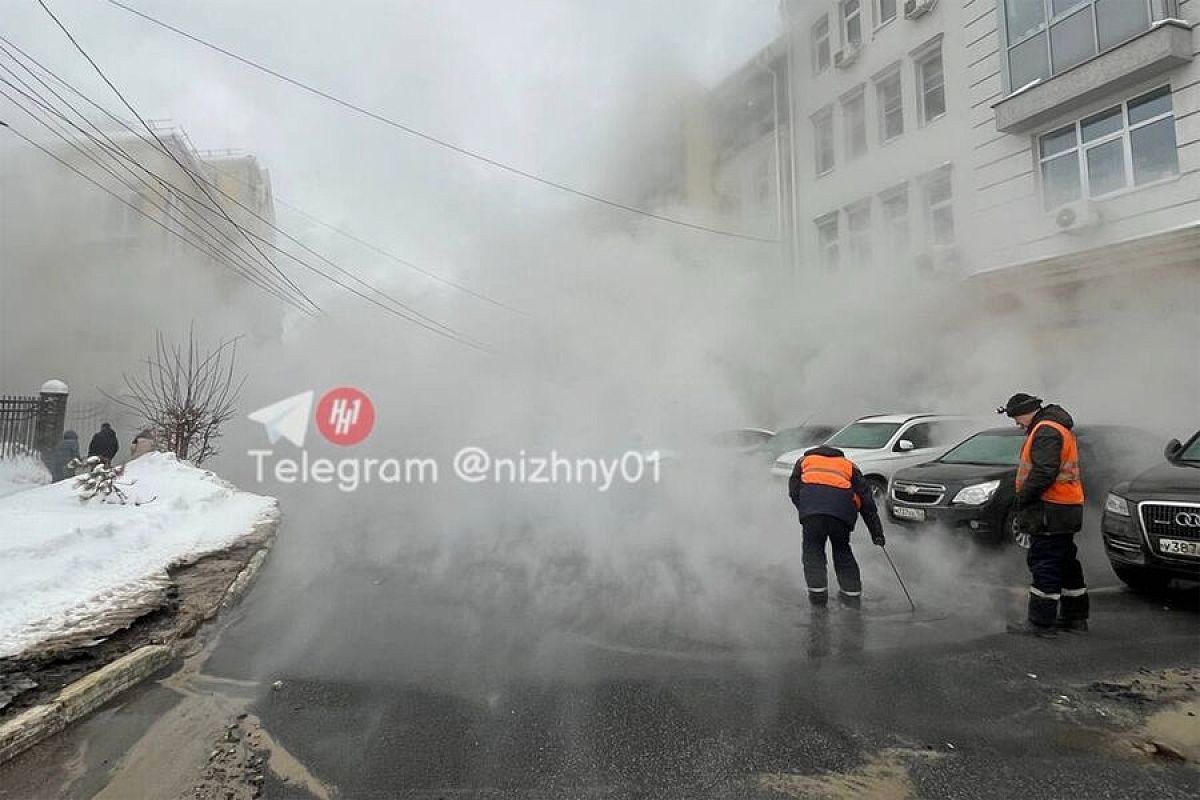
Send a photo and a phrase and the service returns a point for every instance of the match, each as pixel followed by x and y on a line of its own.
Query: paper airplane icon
pixel 286 419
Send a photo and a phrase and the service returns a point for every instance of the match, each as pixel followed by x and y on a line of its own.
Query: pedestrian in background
pixel 829 494
pixel 1049 511
pixel 63 453
pixel 104 444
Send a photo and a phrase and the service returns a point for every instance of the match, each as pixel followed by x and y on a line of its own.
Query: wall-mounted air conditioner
pixel 915 9
pixel 845 57
pixel 1077 217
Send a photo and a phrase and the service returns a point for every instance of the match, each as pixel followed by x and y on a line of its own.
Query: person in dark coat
pixel 63 453
pixel 1049 512
pixel 830 493
pixel 104 444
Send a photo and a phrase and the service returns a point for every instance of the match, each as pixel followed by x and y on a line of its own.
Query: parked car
pixel 797 437
pixel 881 444
pixel 971 486
pixel 1151 523
pixel 743 441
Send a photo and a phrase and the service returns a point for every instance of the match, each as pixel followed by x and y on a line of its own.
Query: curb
pixel 93 690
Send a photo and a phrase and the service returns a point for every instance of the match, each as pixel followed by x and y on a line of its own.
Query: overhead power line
pixel 6 43
pixel 218 207
pixel 463 151
pixel 117 153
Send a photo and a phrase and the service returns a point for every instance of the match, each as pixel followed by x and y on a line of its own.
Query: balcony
pixel 1164 47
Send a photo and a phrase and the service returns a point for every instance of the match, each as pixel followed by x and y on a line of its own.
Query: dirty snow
pixel 19 473
pixel 64 563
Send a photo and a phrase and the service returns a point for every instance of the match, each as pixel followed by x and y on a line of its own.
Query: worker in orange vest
pixel 1049 512
pixel 830 494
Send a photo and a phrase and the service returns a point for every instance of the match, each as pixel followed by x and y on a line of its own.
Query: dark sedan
pixel 970 488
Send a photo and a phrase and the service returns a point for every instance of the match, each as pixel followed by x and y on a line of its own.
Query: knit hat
pixel 1020 403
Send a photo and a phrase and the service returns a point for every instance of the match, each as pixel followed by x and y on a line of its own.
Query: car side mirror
pixel 904 446
pixel 1173 449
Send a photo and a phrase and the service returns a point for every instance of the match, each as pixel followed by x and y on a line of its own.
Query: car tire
pixel 1142 580
pixel 878 489
pixel 1006 535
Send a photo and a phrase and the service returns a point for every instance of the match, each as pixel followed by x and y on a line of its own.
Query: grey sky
pixel 538 83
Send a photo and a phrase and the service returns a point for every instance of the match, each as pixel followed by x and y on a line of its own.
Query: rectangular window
pixel 885 11
pixel 890 99
pixel 823 141
pixel 854 121
pixel 820 45
pixel 939 208
pixel 851 23
pixel 827 241
pixel 931 86
pixel 1131 144
pixel 1046 37
pixel 858 229
pixel 896 227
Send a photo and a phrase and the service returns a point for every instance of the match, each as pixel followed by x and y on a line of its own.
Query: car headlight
pixel 977 494
pixel 1116 504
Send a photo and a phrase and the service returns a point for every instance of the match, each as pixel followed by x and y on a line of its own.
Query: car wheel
pixel 1007 533
pixel 1142 580
pixel 878 489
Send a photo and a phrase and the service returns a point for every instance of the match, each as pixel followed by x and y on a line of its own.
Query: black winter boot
pixel 1027 628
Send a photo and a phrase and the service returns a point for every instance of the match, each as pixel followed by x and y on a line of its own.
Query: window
pixel 820 45
pixel 823 140
pixel 858 227
pixel 1131 144
pixel 939 208
pixel 895 221
pixel 854 121
pixel 931 86
pixel 921 436
pixel 851 23
pixel 885 11
pixel 1046 37
pixel 827 241
pixel 891 106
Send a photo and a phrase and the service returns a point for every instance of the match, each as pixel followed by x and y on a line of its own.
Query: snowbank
pixel 20 473
pixel 64 564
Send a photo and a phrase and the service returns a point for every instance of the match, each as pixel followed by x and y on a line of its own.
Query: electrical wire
pixel 217 206
pixel 460 150
pixel 113 145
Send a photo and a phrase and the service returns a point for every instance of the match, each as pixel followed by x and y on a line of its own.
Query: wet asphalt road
pixel 392 687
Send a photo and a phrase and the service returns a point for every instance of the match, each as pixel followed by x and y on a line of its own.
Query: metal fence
pixel 19 424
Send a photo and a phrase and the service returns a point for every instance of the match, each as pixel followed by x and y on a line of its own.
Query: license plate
pixel 1179 547
pixel 915 514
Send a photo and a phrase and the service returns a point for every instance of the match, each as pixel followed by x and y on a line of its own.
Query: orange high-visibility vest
pixel 1066 488
pixel 829 471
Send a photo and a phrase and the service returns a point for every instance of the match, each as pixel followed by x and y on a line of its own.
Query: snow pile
pixel 20 473
pixel 66 564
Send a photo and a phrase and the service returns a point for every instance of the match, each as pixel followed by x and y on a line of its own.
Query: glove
pixel 1024 540
pixel 877 538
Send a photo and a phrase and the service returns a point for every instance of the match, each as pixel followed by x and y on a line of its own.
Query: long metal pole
pixel 902 586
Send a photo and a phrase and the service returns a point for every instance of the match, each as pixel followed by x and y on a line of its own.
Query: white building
pixel 879 90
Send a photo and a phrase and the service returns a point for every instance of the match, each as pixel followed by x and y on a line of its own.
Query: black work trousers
pixel 817 530
pixel 1057 588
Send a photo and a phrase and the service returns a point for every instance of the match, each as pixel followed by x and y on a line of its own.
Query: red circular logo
pixel 345 415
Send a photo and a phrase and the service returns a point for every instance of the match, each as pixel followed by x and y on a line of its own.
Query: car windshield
pixel 993 449
pixel 790 439
pixel 1191 453
pixel 865 435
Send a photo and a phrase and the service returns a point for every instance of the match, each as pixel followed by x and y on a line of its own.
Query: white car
pixel 881 444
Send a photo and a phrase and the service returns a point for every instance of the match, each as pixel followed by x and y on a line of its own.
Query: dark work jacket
pixel 58 458
pixel 104 444
pixel 1045 452
pixel 812 499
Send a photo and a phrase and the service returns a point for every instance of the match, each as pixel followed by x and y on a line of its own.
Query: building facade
pixel 883 176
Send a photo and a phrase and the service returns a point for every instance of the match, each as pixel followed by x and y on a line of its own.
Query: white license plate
pixel 1179 547
pixel 915 514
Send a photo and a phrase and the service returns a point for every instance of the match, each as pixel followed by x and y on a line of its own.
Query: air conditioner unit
pixel 915 9
pixel 845 57
pixel 1077 217
pixel 940 260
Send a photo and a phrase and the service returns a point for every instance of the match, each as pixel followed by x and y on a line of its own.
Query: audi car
pixel 1151 523
pixel 970 488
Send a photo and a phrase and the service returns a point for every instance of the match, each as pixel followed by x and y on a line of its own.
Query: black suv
pixel 970 488
pixel 1152 523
